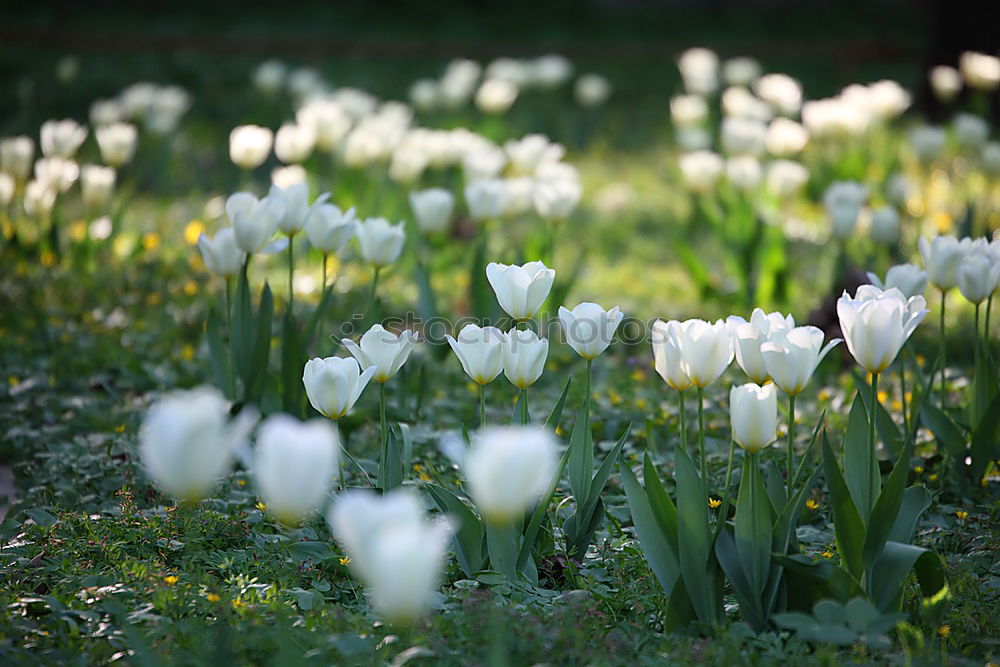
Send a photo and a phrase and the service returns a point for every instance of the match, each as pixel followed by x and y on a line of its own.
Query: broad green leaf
pixel 752 524
pixel 314 551
pixel 600 479
pixel 552 421
pixel 503 548
pixel 426 304
pixel 916 500
pixel 680 610
pixel 520 416
pixel 315 318
pixel 657 546
pixel 731 562
pixel 860 465
pixel 660 503
pixel 893 566
pixel 261 347
pixel 581 454
pixel 984 388
pixel 221 367
pixel 886 509
pixel 241 329
pixel 531 532
pixel 694 539
pixel 986 441
pixel 944 429
pixel 848 527
pixel 468 541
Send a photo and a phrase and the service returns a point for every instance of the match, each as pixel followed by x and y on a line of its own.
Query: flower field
pixel 515 358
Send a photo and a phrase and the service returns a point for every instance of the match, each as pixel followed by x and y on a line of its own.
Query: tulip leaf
pixel 848 527
pixel 292 362
pixel 521 416
pixel 727 552
pixel 985 440
pixel 894 564
pixel 984 387
pixel 916 500
pixel 806 581
pixel 775 487
pixel 753 526
pixel 581 454
pixel 393 467
pixel 860 465
pixel 317 552
pixel 468 540
pixel 663 508
pixel 694 536
pixel 600 479
pixel 503 549
pixel 309 332
pixel 261 347
pixel 426 306
pixel 887 429
pixel 680 610
pixel 944 429
pixel 535 523
pixel 886 509
pixel 552 421
pixel 657 545
pixel 221 366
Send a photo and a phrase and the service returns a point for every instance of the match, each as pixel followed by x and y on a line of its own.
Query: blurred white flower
pixel 781 91
pixel 496 96
pixel 16 155
pixel 699 69
pixel 738 102
pixel 909 279
pixel 117 143
pixel 741 71
pixel 294 143
pixel 486 199
pixel 946 82
pixel 62 138
pixel 550 71
pixel 885 225
pixel 970 131
pixel 700 170
pixel 742 136
pixel 7 186
pixel 57 173
pixel 39 199
pixel 990 157
pixel 249 145
pixel 979 272
pixel 221 254
pixel 744 172
pixel 329 121
pixel 289 175
pixel 928 141
pixel 508 469
pixel 296 206
pixel 785 137
pixel 888 99
pixel 432 209
pixel 425 94
pixel 843 201
pixel 269 77
pixel 383 350
pixel 981 70
pixel 106 112
pixel 591 90
pixel 380 242
pixel 941 257
pixel 532 150
pixel 688 110
pixel 97 184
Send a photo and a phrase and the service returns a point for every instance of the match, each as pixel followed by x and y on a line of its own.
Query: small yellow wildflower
pixel 190 288
pixel 213 597
pixel 192 231
pixel 827 554
pixel 824 394
pixel 261 506
pixel 196 262
pixel 919 470
pixel 614 397
pixel 921 359
pixel 151 241
pixel 638 375
pixel 714 503
pixel 812 504
pixel 345 561
pixel 962 515
pixel 187 352
pixel 559 431
pixel 943 221
pixel 241 482
pixel 13 380
pixel 171 580
pixel 78 230
pixel 153 299
pixel 237 603
pixel 932 477
pixel 944 630
pixel 897 405
pixel 883 396
pixel 640 404
pixel 120 428
pixel 48 258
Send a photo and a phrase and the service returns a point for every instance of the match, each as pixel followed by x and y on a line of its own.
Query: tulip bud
pixel 432 209
pixel 753 414
pixel 334 385
pixel 221 254
pixel 907 278
pixel 393 549
pixel 885 225
pixel 329 229
pixel 781 91
pixel 270 76
pixel 749 336
pixel 508 469
pixel 792 355
pixel 96 185
pixel 699 69
pixel 706 349
pixel 843 201
pixel 294 143
pixel 249 145
pixel 875 324
pixel 688 111
pixel 289 175
pixel 667 356
pixel 524 355
pixel 62 138
pixel 297 207
pixel 941 259
pixel 380 242
pixel 117 143
pixel 480 351
pixel 589 328
pixel 16 154
pixel 294 465
pixel 39 199
pixel 979 273
pixel 254 221
pixel 383 350
pixel 521 290
pixel 186 441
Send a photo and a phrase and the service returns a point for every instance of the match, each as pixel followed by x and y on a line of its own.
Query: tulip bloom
pixel 667 355
pixel 432 209
pixel 334 385
pixel 876 324
pixel 380 242
pixel 748 337
pixel 706 349
pixel 979 273
pixel 589 328
pixel 16 155
pixel 480 351
pixel 187 441
pixel 117 143
pixel 508 469
pixel 254 221
pixel 293 466
pixel 753 414
pixel 383 350
pixel 907 278
pixel 791 357
pixel 249 145
pixel 521 290
pixel 329 229
pixel 524 355
pixel 97 184
pixel 221 254
pixel 486 198
pixel 942 257
pixel 62 138
pixel 393 549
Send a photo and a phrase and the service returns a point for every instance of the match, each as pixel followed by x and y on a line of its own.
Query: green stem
pixel 976 329
pixel 701 431
pixel 871 415
pixel 229 303
pixel 324 274
pixel 291 273
pixel 725 490
pixel 986 326
pixel 684 435
pixel 371 298
pixel 943 350
pixel 790 454
pixel 482 405
pixel 590 368
pixel 902 391
pixel 384 432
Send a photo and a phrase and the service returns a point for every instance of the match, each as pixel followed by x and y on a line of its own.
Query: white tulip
pixel 667 356
pixel 39 199
pixel 875 324
pixel 946 82
pixel 530 151
pixel 432 209
pixel 555 199
pixel 591 90
pixel 928 141
pixel 990 158
pixel 744 172
pixel 981 70
pixel 742 136
pixel 269 77
pixel 329 121
pixel 221 254
pixel 117 143
pixel 843 201
pixel 749 336
pixel 380 242
pixel 334 385
pixel 791 356
pixel 979 273
pixel 589 329
pixel 508 469
pixel 785 178
pixel 187 441
pixel 97 184
pixel 753 414
pixel 700 71
pixel 393 549
pixel 294 143
pixel 496 96
pixel 106 112
pixel 785 137
pixel 249 145
pixel 781 91
pixel 480 351
pixel 297 206
pixel 486 198
pixel 524 355
pixel 254 221
pixel 741 71
pixel 885 225
pixel 7 186
pixel 16 155
pixel 521 290
pixel 706 349
pixel 289 175
pixel 57 173
pixel 688 110
pixel 942 256
pixel 909 279
pixel 700 170
pixel 62 138
pixel 329 229
pixel 383 350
